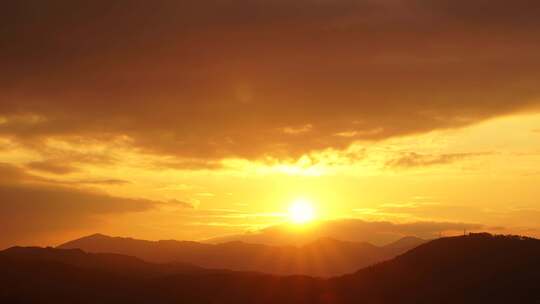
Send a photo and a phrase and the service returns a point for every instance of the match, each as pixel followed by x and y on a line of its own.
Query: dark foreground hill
pixel 478 268
pixel 470 269
pixel 325 257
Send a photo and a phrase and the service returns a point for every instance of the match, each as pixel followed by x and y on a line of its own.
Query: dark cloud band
pixel 214 79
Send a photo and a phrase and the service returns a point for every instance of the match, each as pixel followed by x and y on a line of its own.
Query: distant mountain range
pixel 477 268
pixel 324 257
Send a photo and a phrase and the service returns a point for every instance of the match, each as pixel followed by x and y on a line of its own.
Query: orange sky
pixel 204 119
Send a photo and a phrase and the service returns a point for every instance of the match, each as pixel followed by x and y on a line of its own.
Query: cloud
pixel 64 156
pixel 51 167
pixel 30 206
pixel 80 182
pixel 376 232
pixel 413 159
pixel 109 181
pixel 217 79
pixel 182 204
pixel 12 175
pixel 17 175
pixel 188 164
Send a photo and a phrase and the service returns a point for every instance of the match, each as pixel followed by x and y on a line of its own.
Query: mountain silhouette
pixel 478 268
pixel 324 257
pixel 108 262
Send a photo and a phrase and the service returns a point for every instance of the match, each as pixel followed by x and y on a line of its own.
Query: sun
pixel 301 211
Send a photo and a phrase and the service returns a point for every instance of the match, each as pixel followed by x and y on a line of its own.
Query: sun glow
pixel 301 211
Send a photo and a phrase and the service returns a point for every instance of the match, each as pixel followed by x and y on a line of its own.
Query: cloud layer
pixel 214 79
pixel 31 207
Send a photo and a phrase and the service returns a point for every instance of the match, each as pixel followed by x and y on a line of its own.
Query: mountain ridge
pixel 324 257
pixel 478 268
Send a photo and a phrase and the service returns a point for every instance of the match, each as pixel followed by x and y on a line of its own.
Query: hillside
pixel 478 268
pixel 324 257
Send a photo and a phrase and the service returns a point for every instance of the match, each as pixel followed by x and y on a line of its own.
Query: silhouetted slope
pixel 406 244
pixel 42 281
pixel 109 262
pixel 324 257
pixel 478 268
pixel 472 269
pixel 47 275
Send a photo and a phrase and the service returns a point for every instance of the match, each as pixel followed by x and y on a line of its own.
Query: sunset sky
pixel 207 119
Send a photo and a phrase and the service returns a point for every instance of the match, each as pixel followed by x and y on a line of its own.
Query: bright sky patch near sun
pixel 301 211
pixel 275 100
pixel 420 170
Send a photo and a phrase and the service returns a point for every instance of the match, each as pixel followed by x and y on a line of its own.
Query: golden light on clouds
pixel 216 123
pixel 465 175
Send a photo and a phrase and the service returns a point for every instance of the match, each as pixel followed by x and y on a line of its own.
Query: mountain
pixel 109 262
pixel 324 257
pixel 49 275
pixel 478 268
pixel 353 230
